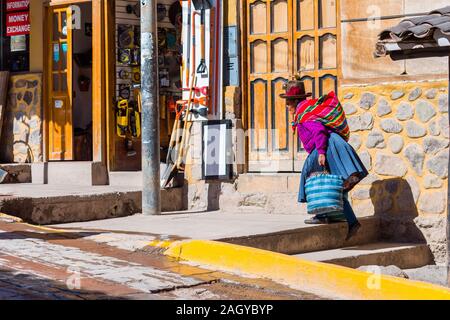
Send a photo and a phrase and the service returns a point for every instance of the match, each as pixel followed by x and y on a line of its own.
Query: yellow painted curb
pixel 315 277
pixel 164 244
pixel 7 216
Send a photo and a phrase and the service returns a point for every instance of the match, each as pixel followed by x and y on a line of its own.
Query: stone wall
pixel 21 140
pixel 401 133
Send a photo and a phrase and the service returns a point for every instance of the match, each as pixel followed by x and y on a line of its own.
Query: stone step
pixel 133 178
pixel 51 204
pixel 402 255
pixel 17 173
pixel 70 173
pixel 125 178
pixel 311 238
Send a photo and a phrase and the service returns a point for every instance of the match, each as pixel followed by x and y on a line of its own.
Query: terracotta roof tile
pixel 427 31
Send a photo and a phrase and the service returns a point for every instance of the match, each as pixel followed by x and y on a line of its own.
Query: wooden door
pixel 60 84
pixel 315 51
pixel 270 65
pixel 285 37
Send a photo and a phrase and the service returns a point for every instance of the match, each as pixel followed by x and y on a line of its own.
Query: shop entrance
pixel 69 82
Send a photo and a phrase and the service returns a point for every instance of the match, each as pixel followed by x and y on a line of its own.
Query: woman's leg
pixel 348 211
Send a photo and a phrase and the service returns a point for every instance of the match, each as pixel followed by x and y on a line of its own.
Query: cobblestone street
pixel 39 263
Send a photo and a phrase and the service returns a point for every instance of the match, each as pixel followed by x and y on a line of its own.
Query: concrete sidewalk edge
pixel 315 277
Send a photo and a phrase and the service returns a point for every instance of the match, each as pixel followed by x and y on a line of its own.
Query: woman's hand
pixel 322 160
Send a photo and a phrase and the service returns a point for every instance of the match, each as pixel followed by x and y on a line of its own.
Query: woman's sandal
pixel 316 220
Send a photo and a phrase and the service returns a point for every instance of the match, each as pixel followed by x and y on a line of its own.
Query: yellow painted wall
pixel 230 13
pixel 37 36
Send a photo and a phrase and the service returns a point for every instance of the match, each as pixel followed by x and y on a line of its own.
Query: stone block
pixel 431 94
pixel 443 103
pixel 396 143
pixel 433 145
pixel 390 165
pixel 383 108
pixel 367 100
pixel 432 181
pixel 249 183
pixel 439 164
pixel 416 157
pixel 349 108
pixel 415 94
pixel 415 130
pixel 361 122
pixel 405 111
pixel 375 139
pixel 433 202
pixel 355 141
pixel 397 94
pixel 391 126
pixel 425 111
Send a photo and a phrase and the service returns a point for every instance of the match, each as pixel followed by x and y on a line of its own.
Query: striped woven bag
pixel 324 193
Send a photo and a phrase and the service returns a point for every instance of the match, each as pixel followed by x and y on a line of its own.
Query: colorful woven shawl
pixel 327 110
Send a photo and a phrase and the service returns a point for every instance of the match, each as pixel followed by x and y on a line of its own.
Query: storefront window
pixel 14 49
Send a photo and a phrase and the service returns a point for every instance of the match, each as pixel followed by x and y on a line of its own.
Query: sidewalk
pixel 212 225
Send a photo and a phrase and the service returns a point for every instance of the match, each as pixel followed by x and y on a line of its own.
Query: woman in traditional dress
pixel 324 133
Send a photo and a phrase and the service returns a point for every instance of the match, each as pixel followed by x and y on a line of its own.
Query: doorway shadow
pixel 395 203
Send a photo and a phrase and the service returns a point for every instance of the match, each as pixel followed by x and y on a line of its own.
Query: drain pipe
pixel 151 192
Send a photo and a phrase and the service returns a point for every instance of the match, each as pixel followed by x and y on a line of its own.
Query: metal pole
pixel 151 192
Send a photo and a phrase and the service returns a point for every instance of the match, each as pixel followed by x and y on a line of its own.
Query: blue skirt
pixel 342 160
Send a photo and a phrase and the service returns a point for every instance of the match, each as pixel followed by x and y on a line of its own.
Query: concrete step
pixel 125 178
pixel 51 204
pixel 17 173
pixel 311 238
pixel 268 183
pixel 134 178
pixel 402 255
pixel 70 173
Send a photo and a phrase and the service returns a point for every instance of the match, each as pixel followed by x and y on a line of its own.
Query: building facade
pixel 397 111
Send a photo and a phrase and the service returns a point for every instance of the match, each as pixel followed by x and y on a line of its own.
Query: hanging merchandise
pixel 164 79
pixel 134 120
pixel 125 56
pixel 136 57
pixel 161 12
pixel 124 91
pixel 162 41
pixel 137 36
pixel 175 14
pixel 126 35
pixel 136 75
pixel 171 38
pixel 124 74
pixel 122 118
pixel 131 152
pixel 202 5
pixel 163 107
pixel 171 105
pixel 135 9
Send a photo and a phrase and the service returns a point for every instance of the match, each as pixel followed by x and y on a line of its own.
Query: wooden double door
pixel 285 37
